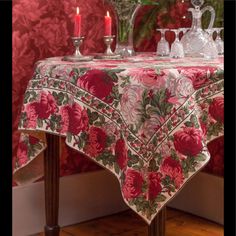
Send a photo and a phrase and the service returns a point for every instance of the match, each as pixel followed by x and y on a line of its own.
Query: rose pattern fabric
pixel 65 118
pixel 179 85
pixel 129 103
pixel 78 119
pixel 150 126
pixel 31 111
pixel 98 83
pixel 148 77
pixel 154 185
pixel 96 142
pixel 46 106
pixel 212 115
pixel 22 153
pixel 153 138
pixel 198 75
pixel 173 169
pixel 28 147
pixel 121 153
pixel 132 186
pixel 188 141
pixel 216 109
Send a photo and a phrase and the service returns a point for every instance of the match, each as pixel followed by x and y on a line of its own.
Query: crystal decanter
pixel 196 42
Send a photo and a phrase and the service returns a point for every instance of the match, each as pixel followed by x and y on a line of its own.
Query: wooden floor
pixel 129 224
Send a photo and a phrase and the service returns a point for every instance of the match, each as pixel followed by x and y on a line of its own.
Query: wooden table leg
pixel 157 227
pixel 51 182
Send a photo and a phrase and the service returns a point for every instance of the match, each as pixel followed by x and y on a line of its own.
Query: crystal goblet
pixel 184 31
pixel 163 48
pixel 177 50
pixel 219 42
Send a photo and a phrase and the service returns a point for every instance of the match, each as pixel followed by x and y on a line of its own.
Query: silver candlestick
pixel 108 40
pixel 77 56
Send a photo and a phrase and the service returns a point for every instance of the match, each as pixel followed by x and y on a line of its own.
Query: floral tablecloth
pixel 145 119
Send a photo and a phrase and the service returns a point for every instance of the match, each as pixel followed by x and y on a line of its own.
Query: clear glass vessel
pixel 163 49
pixel 196 39
pixel 219 42
pixel 177 50
pixel 126 12
pixel 210 50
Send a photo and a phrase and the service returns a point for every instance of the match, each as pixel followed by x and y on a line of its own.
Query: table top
pixel 146 119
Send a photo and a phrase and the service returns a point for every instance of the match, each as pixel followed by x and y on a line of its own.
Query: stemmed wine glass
pixel 163 48
pixel 177 50
pixel 210 50
pixel 210 33
pixel 219 42
pixel 184 30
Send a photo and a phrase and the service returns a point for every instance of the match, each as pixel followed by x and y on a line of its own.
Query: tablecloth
pixel 146 119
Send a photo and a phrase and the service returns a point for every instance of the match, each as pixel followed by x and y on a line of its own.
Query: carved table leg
pixel 157 227
pixel 51 182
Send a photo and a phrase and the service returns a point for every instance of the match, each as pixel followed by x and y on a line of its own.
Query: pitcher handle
pixel 213 14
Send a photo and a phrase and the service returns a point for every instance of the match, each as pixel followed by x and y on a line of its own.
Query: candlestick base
pixel 108 53
pixel 73 58
pixel 108 57
pixel 77 56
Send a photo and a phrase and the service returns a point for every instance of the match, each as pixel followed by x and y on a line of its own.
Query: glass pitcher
pixel 196 42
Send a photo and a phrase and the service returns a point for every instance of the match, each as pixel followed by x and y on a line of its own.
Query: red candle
pixel 77 29
pixel 108 23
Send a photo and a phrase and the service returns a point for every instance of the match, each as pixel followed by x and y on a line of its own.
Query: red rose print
pixel 47 106
pixel 33 140
pixel 173 169
pixel 121 153
pixel 216 109
pixel 154 185
pixel 198 75
pixel 132 186
pixel 148 77
pixel 64 112
pixel 98 83
pixel 31 111
pixel 188 141
pixel 22 153
pixel 78 119
pixel 96 142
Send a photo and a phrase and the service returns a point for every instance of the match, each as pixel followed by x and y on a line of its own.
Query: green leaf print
pixel 161 198
pixel 69 137
pixel 39 123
